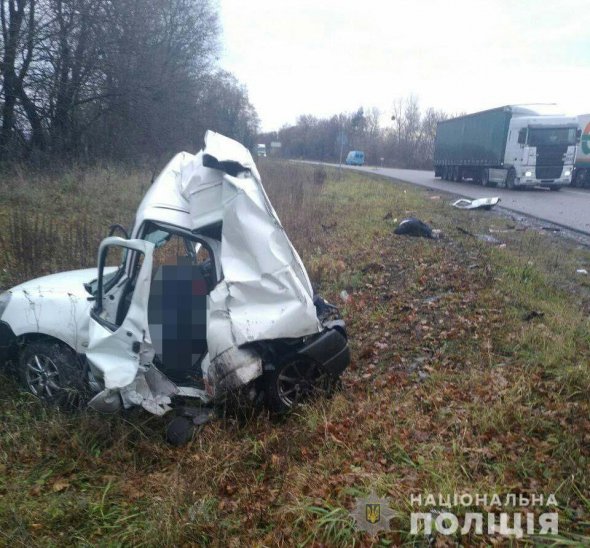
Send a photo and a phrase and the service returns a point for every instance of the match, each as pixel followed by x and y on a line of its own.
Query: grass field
pixel 454 386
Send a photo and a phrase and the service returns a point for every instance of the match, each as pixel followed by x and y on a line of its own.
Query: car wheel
pixel 51 371
pixel 293 382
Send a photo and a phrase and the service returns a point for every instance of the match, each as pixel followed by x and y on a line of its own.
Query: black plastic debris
pixel 413 227
pixel 532 315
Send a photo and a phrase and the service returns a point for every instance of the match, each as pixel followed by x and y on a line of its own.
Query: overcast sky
pixel 327 56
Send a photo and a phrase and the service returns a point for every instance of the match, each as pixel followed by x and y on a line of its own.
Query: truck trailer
pixel 509 146
pixel 582 165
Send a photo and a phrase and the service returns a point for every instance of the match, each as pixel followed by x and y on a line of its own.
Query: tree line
pixel 403 137
pixel 115 79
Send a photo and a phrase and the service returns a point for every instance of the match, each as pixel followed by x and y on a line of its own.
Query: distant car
pixel 355 158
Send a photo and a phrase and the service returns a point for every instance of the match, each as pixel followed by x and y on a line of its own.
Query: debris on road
pixel 415 227
pixel 582 271
pixel 480 203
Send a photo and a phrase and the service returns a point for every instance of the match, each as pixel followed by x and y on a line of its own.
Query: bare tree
pixel 114 78
pixel 409 142
pixel 17 18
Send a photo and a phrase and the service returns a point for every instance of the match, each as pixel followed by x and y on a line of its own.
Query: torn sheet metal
pixel 150 389
pixel 264 291
pixel 480 203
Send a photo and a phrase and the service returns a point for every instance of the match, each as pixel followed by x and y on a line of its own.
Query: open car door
pixel 119 340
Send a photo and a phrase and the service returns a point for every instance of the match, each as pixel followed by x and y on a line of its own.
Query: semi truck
pixel 582 165
pixel 510 146
pixel 261 150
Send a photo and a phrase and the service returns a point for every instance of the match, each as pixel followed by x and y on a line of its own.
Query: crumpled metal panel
pixel 150 389
pixel 265 292
pixel 480 203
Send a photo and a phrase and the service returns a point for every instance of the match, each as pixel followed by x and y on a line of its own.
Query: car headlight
pixel 567 173
pixel 528 174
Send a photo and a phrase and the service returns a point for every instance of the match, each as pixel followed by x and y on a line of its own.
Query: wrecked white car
pixel 206 297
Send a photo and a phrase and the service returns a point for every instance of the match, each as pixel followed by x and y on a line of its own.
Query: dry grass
pixel 449 391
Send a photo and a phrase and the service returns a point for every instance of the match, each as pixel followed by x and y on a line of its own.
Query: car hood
pixel 71 282
pixel 56 305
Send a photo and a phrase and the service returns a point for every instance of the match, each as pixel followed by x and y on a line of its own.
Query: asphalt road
pixel 570 207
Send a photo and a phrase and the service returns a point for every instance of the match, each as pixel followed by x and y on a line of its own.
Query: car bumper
pixel 330 349
pixel 535 183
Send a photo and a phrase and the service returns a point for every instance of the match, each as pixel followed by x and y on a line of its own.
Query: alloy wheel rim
pixel 42 376
pixel 297 380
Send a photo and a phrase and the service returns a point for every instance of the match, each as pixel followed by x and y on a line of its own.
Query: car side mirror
pixel 522 136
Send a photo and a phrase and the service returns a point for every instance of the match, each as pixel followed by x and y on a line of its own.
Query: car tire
pixel 293 382
pixel 51 371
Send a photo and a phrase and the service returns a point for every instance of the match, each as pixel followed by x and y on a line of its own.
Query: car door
pixel 119 340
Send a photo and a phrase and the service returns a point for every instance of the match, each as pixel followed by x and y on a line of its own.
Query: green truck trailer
pixel 509 146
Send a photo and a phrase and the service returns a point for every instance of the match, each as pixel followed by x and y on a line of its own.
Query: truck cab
pixel 540 151
pixel 261 150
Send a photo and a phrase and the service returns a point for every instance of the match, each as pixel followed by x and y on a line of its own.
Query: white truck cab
pixel 540 150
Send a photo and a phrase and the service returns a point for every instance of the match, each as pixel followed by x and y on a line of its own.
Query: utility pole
pixel 341 149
